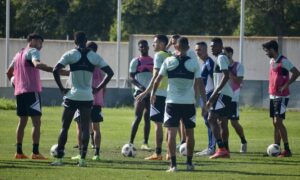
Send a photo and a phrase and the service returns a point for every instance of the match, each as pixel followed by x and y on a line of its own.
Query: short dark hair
pixel 183 42
pixel 93 46
pixel 80 37
pixel 175 36
pixel 34 36
pixel 228 49
pixel 162 38
pixel 202 43
pixel 143 41
pixel 217 40
pixel 271 45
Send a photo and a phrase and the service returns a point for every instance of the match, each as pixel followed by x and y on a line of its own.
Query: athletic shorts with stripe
pixel 278 107
pixel 96 114
pixel 29 104
pixel 234 111
pixel 176 112
pixel 222 106
pixel 158 110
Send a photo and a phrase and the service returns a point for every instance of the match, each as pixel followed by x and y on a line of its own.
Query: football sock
pixel 226 145
pixel 220 143
pixel 286 147
pixel 19 148
pixel 182 141
pixel 173 161
pixel 243 140
pixel 189 160
pixel 158 150
pixel 97 151
pixel 35 148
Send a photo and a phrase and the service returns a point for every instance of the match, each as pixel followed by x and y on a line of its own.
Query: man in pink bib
pixel 24 71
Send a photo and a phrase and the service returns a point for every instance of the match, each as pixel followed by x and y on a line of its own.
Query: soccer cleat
pixel 38 156
pixel 243 148
pixel 96 158
pixel 20 156
pixel 82 163
pixel 154 157
pixel 221 153
pixel 206 152
pixel 190 167
pixel 76 157
pixel 145 147
pixel 172 169
pixel 285 153
pixel 57 162
pixel 168 158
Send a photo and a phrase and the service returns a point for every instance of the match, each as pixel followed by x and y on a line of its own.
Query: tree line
pixel 58 19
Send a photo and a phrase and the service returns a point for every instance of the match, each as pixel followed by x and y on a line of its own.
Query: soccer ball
pixel 273 150
pixel 128 150
pixel 183 149
pixel 53 150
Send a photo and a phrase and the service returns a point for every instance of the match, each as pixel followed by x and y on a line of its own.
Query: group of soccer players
pixel 167 90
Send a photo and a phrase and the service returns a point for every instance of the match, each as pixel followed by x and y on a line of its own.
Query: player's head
pixel 160 42
pixel 174 39
pixel 271 48
pixel 92 45
pixel 182 45
pixel 216 46
pixel 201 49
pixel 228 51
pixel 143 47
pixel 35 40
pixel 80 38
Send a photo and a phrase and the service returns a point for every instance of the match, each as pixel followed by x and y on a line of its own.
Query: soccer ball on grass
pixel 128 150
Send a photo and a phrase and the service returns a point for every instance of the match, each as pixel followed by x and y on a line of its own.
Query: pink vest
pixel 27 77
pixel 145 64
pixel 233 69
pixel 278 77
pixel 98 76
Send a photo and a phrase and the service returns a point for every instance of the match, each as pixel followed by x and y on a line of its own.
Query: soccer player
pixel 279 83
pixel 220 100
pixel 82 62
pixel 27 88
pixel 96 113
pixel 158 109
pixel 207 70
pixel 184 79
pixel 140 76
pixel 236 75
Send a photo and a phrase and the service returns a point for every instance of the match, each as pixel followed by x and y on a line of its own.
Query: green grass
pixel 7 104
pixel 115 133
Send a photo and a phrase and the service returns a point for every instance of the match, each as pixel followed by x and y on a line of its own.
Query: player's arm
pixel 154 89
pixel 135 82
pixel 39 65
pixel 141 96
pixel 109 74
pixel 219 88
pixel 295 74
pixel 56 74
pixel 10 71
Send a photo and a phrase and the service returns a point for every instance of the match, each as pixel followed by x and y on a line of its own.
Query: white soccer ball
pixel 273 150
pixel 128 150
pixel 12 81
pixel 183 149
pixel 53 150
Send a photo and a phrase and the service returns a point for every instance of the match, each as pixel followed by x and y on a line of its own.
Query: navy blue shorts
pixel 158 110
pixel 222 106
pixel 29 104
pixel 278 107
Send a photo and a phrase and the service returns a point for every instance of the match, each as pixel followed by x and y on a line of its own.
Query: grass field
pixel 115 133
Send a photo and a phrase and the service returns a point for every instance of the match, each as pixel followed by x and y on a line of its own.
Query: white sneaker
pixel 205 152
pixel 190 167
pixel 243 148
pixel 172 169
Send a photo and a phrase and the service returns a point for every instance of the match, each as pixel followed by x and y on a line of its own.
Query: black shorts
pixel 74 105
pixel 278 107
pixel 29 104
pixel 158 110
pixel 96 114
pixel 234 111
pixel 222 106
pixel 176 112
